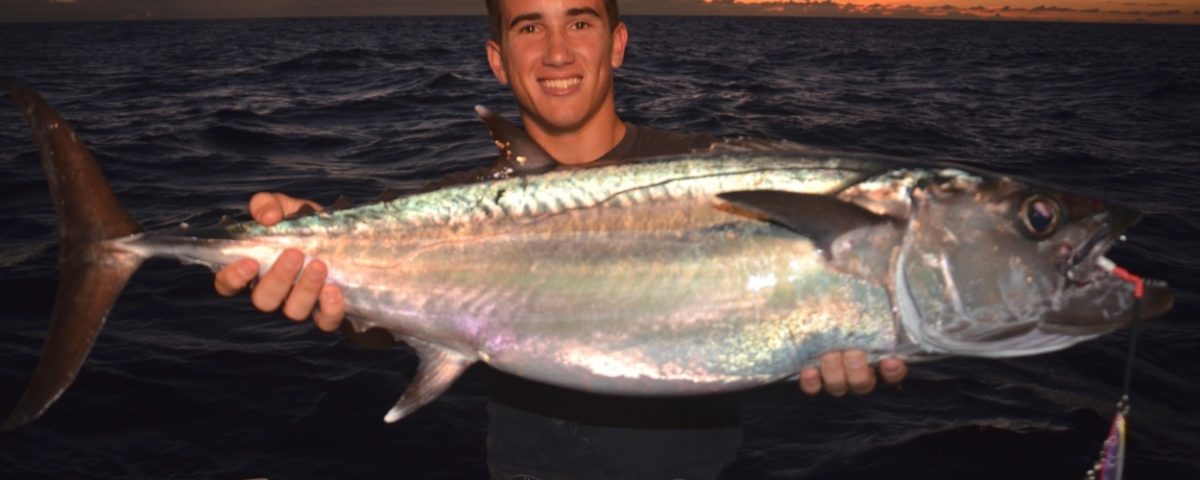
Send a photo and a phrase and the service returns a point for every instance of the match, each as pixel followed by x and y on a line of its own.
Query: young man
pixel 558 56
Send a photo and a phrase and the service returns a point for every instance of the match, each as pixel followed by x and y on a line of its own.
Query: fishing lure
pixel 1111 464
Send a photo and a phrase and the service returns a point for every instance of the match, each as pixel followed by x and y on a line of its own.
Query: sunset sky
pixel 1154 11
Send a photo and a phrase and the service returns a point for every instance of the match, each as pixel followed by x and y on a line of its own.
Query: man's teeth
pixel 561 84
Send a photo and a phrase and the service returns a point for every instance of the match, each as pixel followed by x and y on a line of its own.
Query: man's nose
pixel 558 49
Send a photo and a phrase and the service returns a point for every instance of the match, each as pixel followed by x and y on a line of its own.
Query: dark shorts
pixel 537 431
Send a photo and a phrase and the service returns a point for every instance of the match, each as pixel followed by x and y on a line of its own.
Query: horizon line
pixel 149 19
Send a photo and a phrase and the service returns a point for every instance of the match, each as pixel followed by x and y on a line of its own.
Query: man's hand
pixel 284 284
pixel 841 372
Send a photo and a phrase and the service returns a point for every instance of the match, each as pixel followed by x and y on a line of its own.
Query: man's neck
pixel 584 145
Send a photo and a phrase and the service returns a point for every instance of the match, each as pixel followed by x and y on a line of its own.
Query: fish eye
pixel 1040 216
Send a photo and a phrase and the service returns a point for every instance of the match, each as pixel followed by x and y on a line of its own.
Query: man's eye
pixel 527 29
pixel 580 25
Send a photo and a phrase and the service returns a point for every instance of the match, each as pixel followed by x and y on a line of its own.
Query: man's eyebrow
pixel 523 18
pixel 577 11
pixel 573 12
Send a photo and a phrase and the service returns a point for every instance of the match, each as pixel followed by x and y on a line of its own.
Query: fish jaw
pixel 1097 296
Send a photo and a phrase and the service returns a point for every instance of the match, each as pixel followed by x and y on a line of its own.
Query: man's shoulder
pixel 640 142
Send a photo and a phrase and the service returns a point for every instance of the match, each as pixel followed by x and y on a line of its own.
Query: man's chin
pixel 561 123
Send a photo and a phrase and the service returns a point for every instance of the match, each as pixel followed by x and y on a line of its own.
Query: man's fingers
pixel 235 276
pixel 833 375
pixel 859 375
pixel 840 372
pixel 269 208
pixel 893 370
pixel 277 282
pixel 810 381
pixel 303 297
pixel 266 208
pixel 331 309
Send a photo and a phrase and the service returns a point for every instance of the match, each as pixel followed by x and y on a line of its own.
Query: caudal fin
pixel 92 275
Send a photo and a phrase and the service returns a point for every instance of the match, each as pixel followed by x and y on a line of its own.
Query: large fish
pixel 685 275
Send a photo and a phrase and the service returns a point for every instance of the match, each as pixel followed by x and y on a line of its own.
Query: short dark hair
pixel 495 17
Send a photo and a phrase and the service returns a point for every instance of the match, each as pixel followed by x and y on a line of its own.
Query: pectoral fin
pixel 518 152
pixel 439 368
pixel 821 218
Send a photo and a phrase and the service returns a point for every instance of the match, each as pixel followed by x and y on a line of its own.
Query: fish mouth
pixel 1081 266
pixel 1086 270
pixel 1083 311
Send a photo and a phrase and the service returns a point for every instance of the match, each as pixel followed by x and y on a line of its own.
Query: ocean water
pixel 189 118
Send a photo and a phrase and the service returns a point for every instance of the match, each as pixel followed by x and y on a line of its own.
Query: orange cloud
pixel 1187 11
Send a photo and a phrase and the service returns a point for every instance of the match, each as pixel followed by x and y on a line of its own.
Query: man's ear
pixel 620 37
pixel 496 61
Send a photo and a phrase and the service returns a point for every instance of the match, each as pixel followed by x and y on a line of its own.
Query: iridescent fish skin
pixel 639 279
pixel 625 279
pixel 687 275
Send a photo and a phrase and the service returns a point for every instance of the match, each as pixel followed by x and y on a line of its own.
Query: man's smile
pixel 560 86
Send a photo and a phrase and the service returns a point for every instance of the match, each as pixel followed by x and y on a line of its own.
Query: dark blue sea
pixel 189 118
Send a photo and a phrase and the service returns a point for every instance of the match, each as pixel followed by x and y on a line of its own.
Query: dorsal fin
pixel 821 218
pixel 519 155
pixel 518 152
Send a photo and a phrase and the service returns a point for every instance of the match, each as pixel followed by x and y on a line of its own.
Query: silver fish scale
pixel 624 278
pixel 621 279
pixel 544 273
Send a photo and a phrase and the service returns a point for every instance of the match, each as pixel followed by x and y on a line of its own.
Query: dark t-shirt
pixel 642 142
pixel 539 431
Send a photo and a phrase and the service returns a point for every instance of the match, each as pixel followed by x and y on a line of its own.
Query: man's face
pixel 558 57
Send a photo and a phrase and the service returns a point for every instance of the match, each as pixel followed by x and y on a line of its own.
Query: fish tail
pixel 92 272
